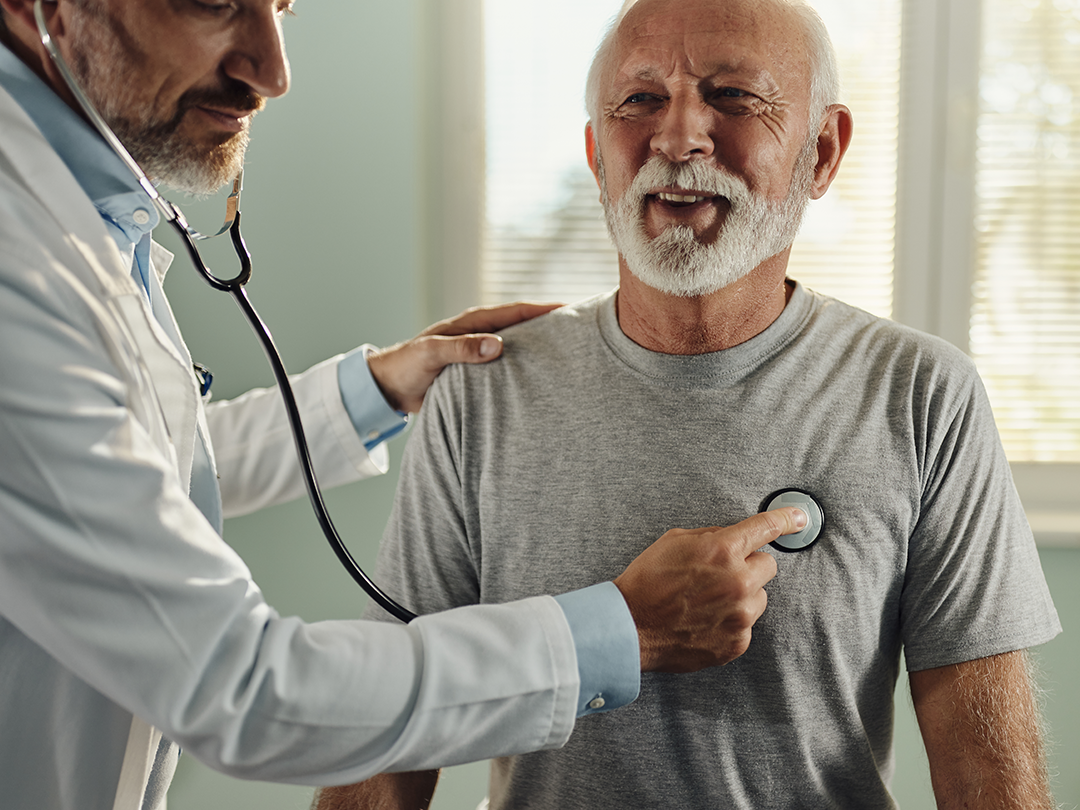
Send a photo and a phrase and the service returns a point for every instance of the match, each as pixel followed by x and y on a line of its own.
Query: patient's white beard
pixel 675 262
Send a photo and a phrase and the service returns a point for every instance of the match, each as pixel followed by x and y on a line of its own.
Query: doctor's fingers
pixel 489 319
pixel 757 531
pixel 404 372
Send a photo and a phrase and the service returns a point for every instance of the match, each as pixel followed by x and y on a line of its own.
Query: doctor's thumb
pixel 477 348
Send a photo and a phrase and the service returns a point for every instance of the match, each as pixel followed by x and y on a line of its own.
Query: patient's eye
pixel 639 104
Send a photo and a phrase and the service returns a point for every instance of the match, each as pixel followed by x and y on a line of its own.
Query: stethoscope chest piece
pixel 802 500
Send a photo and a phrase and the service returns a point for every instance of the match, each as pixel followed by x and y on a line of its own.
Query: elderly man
pixel 707 382
pixel 127 625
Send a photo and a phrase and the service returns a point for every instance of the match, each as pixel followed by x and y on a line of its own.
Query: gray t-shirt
pixel 554 467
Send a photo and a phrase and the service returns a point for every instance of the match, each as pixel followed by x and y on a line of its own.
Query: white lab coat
pixel 121 609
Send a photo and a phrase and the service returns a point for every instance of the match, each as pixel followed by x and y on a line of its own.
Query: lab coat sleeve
pixel 254 450
pixel 109 569
pixel 106 565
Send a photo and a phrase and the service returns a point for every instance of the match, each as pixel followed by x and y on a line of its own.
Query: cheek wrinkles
pixel 775 118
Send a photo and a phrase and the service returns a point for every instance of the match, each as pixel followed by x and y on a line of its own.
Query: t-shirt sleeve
pixel 974 585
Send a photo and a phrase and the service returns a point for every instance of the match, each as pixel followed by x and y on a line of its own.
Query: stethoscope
pixel 234 286
pixel 815 518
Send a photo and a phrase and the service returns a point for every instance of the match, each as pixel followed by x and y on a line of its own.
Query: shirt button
pixel 597 703
pixel 141 216
pixel 373 435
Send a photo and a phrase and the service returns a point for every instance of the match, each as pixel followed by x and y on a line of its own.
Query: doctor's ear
pixel 19 13
pixel 18 28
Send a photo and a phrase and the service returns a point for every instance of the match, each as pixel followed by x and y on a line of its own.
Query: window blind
pixel 1025 319
pixel 544 235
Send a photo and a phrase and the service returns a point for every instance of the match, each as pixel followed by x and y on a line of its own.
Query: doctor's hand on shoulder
pixel 695 594
pixel 406 370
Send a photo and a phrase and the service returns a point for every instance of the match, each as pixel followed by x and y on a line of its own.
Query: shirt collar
pixel 99 171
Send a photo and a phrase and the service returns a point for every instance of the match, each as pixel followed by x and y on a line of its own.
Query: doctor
pixel 127 625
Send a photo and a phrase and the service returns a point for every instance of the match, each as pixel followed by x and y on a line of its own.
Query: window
pixel 957 209
pixel 544 233
pixel 1025 331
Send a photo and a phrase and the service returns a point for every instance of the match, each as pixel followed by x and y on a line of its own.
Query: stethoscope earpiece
pixel 800 541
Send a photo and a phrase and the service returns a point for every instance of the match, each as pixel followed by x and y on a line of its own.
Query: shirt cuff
pixel 606 640
pixel 375 421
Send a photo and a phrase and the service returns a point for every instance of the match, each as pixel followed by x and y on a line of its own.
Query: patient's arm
pixel 981 726
pixel 387 791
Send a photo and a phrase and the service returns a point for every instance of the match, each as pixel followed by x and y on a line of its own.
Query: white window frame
pixel 935 194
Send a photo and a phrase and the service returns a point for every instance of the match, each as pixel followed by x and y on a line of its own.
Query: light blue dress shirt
pixel 604 633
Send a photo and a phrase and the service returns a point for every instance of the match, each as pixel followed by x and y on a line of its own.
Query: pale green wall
pixel 333 216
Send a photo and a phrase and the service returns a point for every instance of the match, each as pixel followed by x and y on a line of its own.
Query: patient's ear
pixel 833 141
pixel 591 153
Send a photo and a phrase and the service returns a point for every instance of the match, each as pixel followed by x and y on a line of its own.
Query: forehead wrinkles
pixel 755 42
pixel 639 68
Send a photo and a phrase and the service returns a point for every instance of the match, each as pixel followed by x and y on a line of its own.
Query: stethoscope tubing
pixel 235 287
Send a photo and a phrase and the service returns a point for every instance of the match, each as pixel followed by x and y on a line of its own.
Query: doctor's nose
pixel 258 59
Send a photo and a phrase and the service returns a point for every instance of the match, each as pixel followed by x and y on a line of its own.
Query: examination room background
pixel 338 219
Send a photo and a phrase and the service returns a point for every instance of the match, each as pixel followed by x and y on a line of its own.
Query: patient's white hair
pixel 824 78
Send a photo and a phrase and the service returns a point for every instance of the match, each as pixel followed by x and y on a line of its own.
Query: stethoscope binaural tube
pixel 234 286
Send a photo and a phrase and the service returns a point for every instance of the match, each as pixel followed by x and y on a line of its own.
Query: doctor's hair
pixel 3 27
pixel 824 72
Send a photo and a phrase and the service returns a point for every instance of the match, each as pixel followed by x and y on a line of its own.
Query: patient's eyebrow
pixel 716 73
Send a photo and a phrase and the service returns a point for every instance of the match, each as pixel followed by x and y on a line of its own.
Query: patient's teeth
pixel 679 198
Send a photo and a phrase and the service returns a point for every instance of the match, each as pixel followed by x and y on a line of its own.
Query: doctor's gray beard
pixel 108 75
pixel 675 262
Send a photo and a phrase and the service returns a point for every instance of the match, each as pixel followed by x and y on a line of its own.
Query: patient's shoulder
pixel 566 330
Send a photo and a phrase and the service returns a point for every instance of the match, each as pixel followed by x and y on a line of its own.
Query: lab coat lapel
pixel 171 376
pixel 160 368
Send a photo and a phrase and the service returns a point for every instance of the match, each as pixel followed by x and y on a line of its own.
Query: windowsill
pixel 1055 528
pixel 1050 496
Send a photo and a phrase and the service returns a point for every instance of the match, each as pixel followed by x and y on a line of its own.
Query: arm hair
pixel 983 730
pixel 387 791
